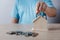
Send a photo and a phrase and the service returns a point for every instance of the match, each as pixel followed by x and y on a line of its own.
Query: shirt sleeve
pixel 49 3
pixel 14 13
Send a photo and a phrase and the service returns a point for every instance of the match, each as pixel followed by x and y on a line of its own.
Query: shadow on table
pixel 54 29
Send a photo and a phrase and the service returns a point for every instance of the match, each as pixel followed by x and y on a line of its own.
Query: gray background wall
pixel 5 10
pixel 6 6
pixel 57 18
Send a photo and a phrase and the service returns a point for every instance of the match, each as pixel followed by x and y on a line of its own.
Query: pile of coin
pixel 26 34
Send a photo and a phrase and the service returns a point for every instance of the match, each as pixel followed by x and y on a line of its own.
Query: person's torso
pixel 26 10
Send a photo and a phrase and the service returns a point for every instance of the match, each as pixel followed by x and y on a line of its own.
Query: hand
pixel 41 6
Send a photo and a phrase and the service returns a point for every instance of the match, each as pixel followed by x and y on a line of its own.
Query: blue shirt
pixel 24 10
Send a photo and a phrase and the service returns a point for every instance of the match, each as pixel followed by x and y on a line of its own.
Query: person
pixel 25 11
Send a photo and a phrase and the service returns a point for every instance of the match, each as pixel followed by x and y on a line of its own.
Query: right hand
pixel 41 6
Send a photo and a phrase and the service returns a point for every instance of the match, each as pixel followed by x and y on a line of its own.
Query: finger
pixel 41 6
pixel 37 7
pixel 44 7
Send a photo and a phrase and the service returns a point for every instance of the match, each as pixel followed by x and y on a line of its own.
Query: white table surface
pixel 43 35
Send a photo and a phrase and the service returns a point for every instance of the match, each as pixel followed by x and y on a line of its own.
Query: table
pixel 43 35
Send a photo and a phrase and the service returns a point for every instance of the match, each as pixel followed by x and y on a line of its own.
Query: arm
pixel 50 9
pixel 51 12
pixel 14 13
